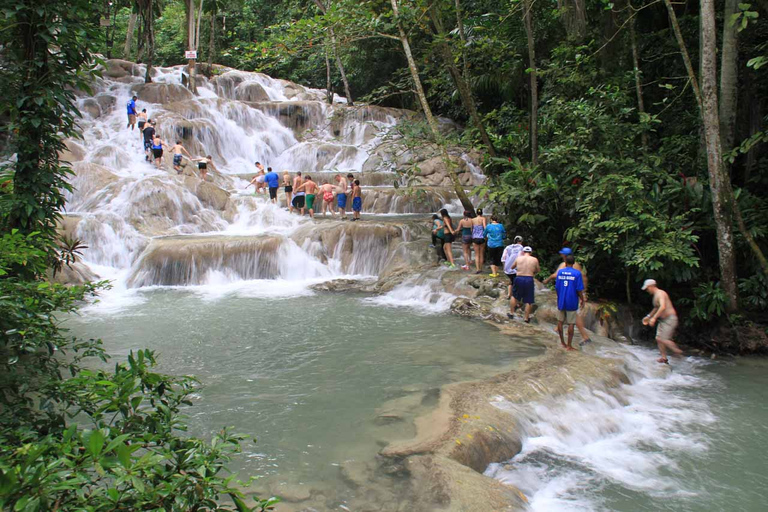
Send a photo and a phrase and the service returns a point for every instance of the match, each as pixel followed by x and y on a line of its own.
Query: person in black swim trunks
pixel 142 118
pixel 298 197
pixel 288 188
pixel 203 164
pixel 157 150
pixel 450 236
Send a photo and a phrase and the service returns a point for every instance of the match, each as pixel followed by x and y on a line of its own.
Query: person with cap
pixel 527 266
pixel 570 295
pixel 664 317
pixel 565 252
pixel 511 252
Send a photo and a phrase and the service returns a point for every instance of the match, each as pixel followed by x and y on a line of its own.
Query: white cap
pixel 527 248
pixel 647 283
pixel 518 239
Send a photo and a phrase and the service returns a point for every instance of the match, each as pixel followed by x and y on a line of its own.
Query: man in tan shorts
pixel 665 315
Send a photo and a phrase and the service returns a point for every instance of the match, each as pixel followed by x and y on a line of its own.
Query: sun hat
pixel 527 248
pixel 647 283
pixel 565 251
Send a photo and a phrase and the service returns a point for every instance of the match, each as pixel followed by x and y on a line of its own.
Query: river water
pixel 320 380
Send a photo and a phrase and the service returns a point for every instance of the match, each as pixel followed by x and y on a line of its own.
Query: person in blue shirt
pixel 273 182
pixel 495 233
pixel 569 285
pixel 132 112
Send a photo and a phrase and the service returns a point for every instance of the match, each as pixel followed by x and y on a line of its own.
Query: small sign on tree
pixel 190 54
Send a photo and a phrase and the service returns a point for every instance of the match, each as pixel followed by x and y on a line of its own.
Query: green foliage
pixel 754 292
pixel 709 302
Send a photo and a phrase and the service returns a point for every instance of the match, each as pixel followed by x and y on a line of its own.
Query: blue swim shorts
pixel 525 288
pixel 357 204
pixel 341 200
pixel 176 160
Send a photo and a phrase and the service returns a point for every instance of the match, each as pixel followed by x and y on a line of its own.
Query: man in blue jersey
pixel 570 294
pixel 273 182
pixel 132 112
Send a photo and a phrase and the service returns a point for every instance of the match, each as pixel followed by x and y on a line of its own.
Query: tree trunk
pixel 729 74
pixel 193 37
pixel 465 92
pixel 463 37
pixel 723 201
pixel 574 16
pixel 683 51
pixel 534 129
pixel 149 31
pixel 211 43
pixel 129 36
pixel 328 89
pixel 431 121
pixel 638 82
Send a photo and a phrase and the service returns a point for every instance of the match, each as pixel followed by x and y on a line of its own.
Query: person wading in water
pixel 465 225
pixel 527 266
pixel 664 317
pixel 565 252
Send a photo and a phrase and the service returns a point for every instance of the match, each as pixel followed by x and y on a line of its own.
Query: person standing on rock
pixel 665 315
pixel 511 252
pixel 527 266
pixel 341 195
pixel 495 233
pixel 203 164
pixel 449 236
pixel 178 149
pixel 311 188
pixel 132 113
pixel 479 223
pixel 149 134
pixel 465 225
pixel 438 238
pixel 327 190
pixel 273 182
pixel 298 195
pixel 258 180
pixel 288 188
pixel 142 118
pixel 565 252
pixel 569 286
pixel 357 200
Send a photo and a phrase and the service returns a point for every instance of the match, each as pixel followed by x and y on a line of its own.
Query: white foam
pixel 425 298
pixel 630 436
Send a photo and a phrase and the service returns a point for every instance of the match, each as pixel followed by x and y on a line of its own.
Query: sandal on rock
pixel 662 360
pixel 588 340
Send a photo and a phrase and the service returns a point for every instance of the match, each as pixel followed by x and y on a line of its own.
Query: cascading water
pixel 146 226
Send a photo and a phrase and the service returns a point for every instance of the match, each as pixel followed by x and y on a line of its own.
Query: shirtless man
pixel 311 189
pixel 565 252
pixel 258 180
pixel 298 197
pixel 357 199
pixel 142 117
pixel 665 315
pixel 341 195
pixel 203 164
pixel 327 190
pixel 178 149
pixel 527 266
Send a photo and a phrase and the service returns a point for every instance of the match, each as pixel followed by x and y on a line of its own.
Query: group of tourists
pixel 154 146
pixel 301 192
pixel 521 267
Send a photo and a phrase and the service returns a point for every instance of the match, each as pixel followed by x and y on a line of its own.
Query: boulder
pixel 106 102
pixel 91 107
pixel 211 195
pixel 161 93
pixel 77 273
pixel 74 152
pixel 296 115
pixel 251 91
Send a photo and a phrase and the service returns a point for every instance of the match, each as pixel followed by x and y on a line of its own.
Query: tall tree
pixel 533 124
pixel 431 120
pixel 194 16
pixel 637 74
pixel 129 34
pixel 722 194
pixel 147 11
pixel 729 74
pixel 460 80
pixel 574 15
pixel 335 47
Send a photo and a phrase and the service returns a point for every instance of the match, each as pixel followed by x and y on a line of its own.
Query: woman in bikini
pixel 449 234
pixel 465 225
pixel 157 150
pixel 479 224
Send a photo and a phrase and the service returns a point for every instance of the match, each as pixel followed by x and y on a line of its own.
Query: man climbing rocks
pixel 273 182
pixel 178 149
pixel 570 294
pixel 132 112
pixel 149 134
pixel 665 315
